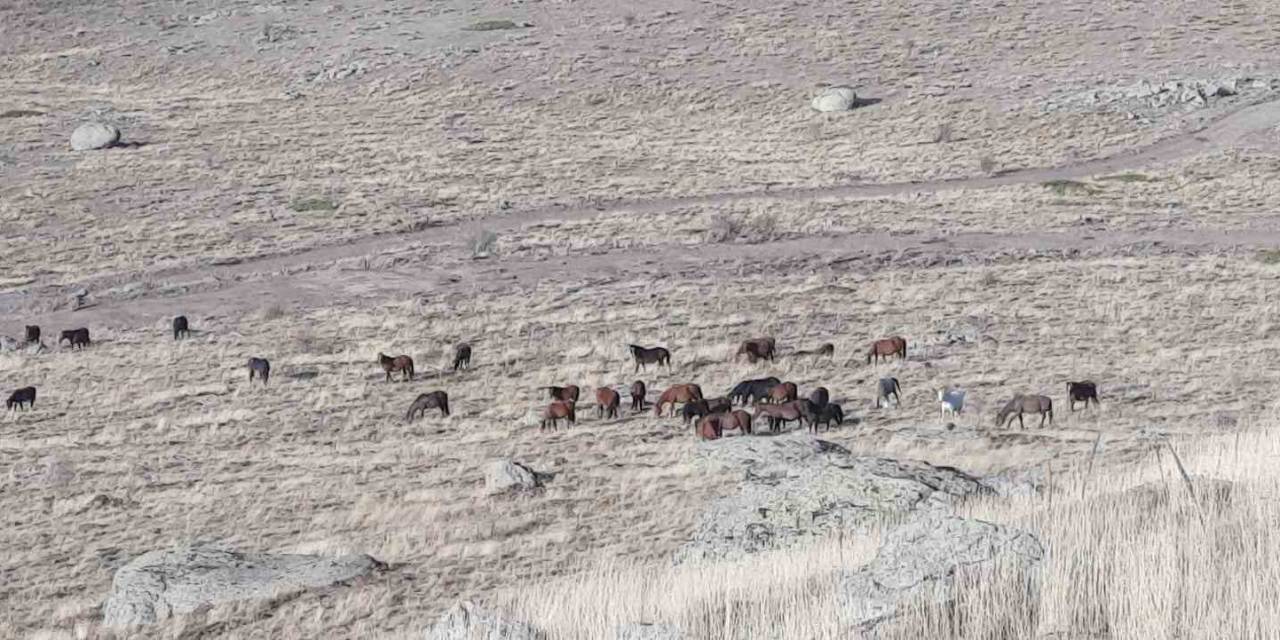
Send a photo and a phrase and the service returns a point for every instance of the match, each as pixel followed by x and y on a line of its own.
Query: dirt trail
pixel 309 281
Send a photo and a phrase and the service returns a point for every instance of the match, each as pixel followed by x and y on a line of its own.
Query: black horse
pixel 650 355
pixel 75 337
pixel 752 391
pixel 826 414
pixel 25 395
pixel 181 328
pixel 33 334
pixel 700 408
pixel 1083 391
pixel 462 356
pixel 261 367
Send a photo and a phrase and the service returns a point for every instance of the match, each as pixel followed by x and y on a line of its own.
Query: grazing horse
pixel 638 392
pixel 750 392
pixel 887 348
pixel 567 393
pixel 607 401
pixel 434 400
pixel 820 397
pixel 1082 391
pixel 181 328
pixel 261 367
pixel 718 423
pixel 33 333
pixel 700 408
pixel 710 428
pixel 780 414
pixel 462 356
pixel 785 392
pixel 888 387
pixel 403 364
pixel 757 349
pixel 825 415
pixel 741 420
pixel 558 410
pixel 75 337
pixel 1022 404
pixel 950 402
pixel 650 355
pixel 677 393
pixel 23 396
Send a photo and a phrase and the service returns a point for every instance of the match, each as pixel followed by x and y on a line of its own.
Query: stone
pixel 467 621
pixel 94 135
pixel 835 99
pixel 921 562
pixel 647 631
pixel 164 583
pixel 508 476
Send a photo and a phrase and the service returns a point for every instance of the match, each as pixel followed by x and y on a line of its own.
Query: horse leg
pixel 1021 425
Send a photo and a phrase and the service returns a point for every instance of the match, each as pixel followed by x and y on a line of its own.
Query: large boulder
pixel 920 563
pixel 467 621
pixel 835 99
pixel 798 488
pixel 160 584
pixel 509 476
pixel 94 135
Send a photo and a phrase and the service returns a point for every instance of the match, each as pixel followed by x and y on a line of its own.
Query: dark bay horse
pixel 607 401
pixel 750 392
pixel 558 410
pixel 888 387
pixel 825 415
pixel 23 396
pixel 757 349
pixel 780 414
pixel 650 355
pixel 181 328
pixel 434 400
pixel 403 364
pixel 462 356
pixel 700 408
pixel 1023 404
pixel 638 392
pixel 1084 391
pixel 677 393
pixel 75 337
pixel 567 393
pixel 261 367
pixel 820 397
pixel 33 333
pixel 887 348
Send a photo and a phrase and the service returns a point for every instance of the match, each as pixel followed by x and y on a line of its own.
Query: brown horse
pixel 736 419
pixel 638 392
pixel 404 364
pixel 677 393
pixel 462 356
pixel 757 349
pixel 558 410
pixel 650 355
pixel 887 348
pixel 780 414
pixel 434 400
pixel 785 392
pixel 699 408
pixel 1022 404
pixel 709 428
pixel 568 393
pixel 607 401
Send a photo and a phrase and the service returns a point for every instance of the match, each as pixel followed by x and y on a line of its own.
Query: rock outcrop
pixel 835 99
pixel 509 476
pixel 94 135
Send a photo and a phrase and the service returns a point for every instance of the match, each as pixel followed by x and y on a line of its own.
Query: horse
pixel 462 356
pixel 567 393
pixel 677 393
pixel 23 396
pixel 434 400
pixel 607 401
pixel 638 392
pixel 888 387
pixel 558 410
pixel 33 333
pixel 75 337
pixel 780 414
pixel 181 328
pixel 820 397
pixel 650 355
pixel 887 348
pixel 741 420
pixel 1082 391
pixel 710 428
pixel 749 392
pixel 825 415
pixel 700 408
pixel 950 402
pixel 785 392
pixel 1022 404
pixel 403 364
pixel 757 349
pixel 261 367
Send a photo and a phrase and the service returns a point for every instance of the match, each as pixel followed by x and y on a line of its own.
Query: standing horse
pixel 701 408
pixel 567 393
pixel 607 401
pixel 261 367
pixel 33 333
pixel 638 392
pixel 785 392
pixel 710 428
pixel 1023 404
pixel 749 392
pixel 757 349
pixel 462 356
pixel 888 387
pixel 831 412
pixel 403 364
pixel 1083 391
pixel 23 396
pixel 886 348
pixel 181 328
pixel 650 355
pixel 677 393
pixel 75 337
pixel 820 397
pixel 434 400
pixel 558 410
pixel 780 414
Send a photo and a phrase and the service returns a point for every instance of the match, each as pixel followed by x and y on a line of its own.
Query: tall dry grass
pixel 1145 552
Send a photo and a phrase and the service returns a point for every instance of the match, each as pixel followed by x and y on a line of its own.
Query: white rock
pixel 835 99
pixel 503 476
pixel 94 135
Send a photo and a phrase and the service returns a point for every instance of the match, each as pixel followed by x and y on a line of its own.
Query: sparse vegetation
pixel 943 135
pixel 312 204
pixel 1130 177
pixel 492 25
pixel 761 227
pixel 1268 256
pixel 483 244
pixel 987 165
pixel 1063 188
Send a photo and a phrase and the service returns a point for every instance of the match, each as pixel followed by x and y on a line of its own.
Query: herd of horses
pixel 773 401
